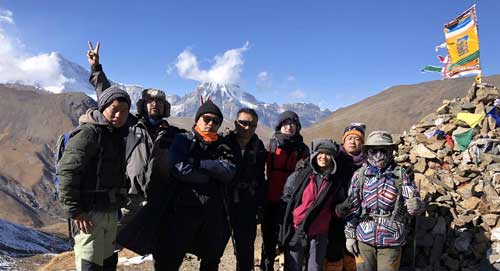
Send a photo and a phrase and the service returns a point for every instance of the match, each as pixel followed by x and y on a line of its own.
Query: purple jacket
pixel 379 195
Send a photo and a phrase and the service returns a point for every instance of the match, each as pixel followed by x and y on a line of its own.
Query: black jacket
pixel 199 168
pixel 250 173
pixel 292 195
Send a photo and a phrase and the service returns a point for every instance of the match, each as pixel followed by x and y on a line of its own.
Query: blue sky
pixel 330 53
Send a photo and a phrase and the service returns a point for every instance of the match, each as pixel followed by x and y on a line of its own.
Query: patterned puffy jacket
pixel 371 218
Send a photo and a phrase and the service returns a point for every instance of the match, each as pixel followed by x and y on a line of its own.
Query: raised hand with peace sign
pixel 93 54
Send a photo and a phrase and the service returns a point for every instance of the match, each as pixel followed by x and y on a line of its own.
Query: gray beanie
pixel 109 95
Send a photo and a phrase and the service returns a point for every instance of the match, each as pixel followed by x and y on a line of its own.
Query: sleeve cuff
pixel 96 68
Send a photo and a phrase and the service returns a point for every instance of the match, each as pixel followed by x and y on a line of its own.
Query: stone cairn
pixel 460 229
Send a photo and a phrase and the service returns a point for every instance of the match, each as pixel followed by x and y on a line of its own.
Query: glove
pixel 352 246
pixel 224 152
pixel 412 204
pixel 342 209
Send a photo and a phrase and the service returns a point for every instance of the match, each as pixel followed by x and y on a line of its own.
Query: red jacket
pixel 280 165
pixel 311 193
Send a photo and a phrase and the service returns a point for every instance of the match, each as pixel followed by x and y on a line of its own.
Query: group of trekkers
pixel 136 181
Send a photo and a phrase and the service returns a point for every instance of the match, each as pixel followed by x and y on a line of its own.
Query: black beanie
pixel 285 116
pixel 208 107
pixel 109 95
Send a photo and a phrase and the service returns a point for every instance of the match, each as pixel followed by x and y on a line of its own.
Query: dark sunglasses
pixel 208 119
pixel 157 101
pixel 247 123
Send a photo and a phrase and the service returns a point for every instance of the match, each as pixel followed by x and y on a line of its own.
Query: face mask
pixel 379 157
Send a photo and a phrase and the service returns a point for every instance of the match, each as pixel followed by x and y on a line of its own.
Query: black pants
pixel 109 264
pixel 336 240
pixel 273 217
pixel 199 229
pixel 244 223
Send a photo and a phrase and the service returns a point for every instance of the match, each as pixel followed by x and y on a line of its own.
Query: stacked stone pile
pixel 456 162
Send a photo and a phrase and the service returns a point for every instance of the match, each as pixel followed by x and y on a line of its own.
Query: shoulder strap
pixel 398 182
pixel 361 179
pixel 273 145
pixel 361 182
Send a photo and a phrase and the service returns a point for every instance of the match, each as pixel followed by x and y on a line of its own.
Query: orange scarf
pixel 208 137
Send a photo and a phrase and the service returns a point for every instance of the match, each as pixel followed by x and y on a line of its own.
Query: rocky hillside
pixel 31 120
pixel 394 109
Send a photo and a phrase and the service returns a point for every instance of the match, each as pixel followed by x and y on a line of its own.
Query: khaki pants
pixel 99 244
pixel 381 259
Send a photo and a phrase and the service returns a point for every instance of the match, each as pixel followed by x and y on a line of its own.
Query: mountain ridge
pixel 229 97
pixel 394 109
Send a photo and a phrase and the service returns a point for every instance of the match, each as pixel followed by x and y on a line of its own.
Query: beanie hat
pixel 288 115
pixel 326 146
pixel 109 95
pixel 208 107
pixel 357 129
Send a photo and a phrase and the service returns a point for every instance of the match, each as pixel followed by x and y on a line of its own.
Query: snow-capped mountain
pixel 78 80
pixel 229 97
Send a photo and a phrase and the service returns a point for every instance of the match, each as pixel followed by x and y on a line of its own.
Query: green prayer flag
pixel 463 139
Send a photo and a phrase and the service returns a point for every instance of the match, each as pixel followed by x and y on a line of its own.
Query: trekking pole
pixel 414 245
pixel 228 218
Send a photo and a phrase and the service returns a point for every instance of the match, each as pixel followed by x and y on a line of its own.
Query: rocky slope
pixel 457 164
pixel 31 120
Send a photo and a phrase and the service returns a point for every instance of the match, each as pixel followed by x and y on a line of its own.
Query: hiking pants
pixel 199 229
pixel 373 258
pixel 94 251
pixel 244 223
pixel 310 252
pixel 273 218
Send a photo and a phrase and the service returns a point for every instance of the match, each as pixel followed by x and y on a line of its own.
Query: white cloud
pixel 17 67
pixel 264 80
pixel 290 78
pixel 226 67
pixel 6 16
pixel 298 94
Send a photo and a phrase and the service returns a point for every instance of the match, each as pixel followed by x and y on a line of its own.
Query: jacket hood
pixel 323 145
pixel 285 116
pixel 93 116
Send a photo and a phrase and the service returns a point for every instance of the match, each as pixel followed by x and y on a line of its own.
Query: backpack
pixel 397 172
pixel 60 147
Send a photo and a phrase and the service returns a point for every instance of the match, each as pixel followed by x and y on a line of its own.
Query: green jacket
pixel 80 188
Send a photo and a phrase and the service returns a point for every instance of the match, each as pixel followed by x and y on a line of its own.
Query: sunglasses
pixel 214 120
pixel 247 123
pixel 377 150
